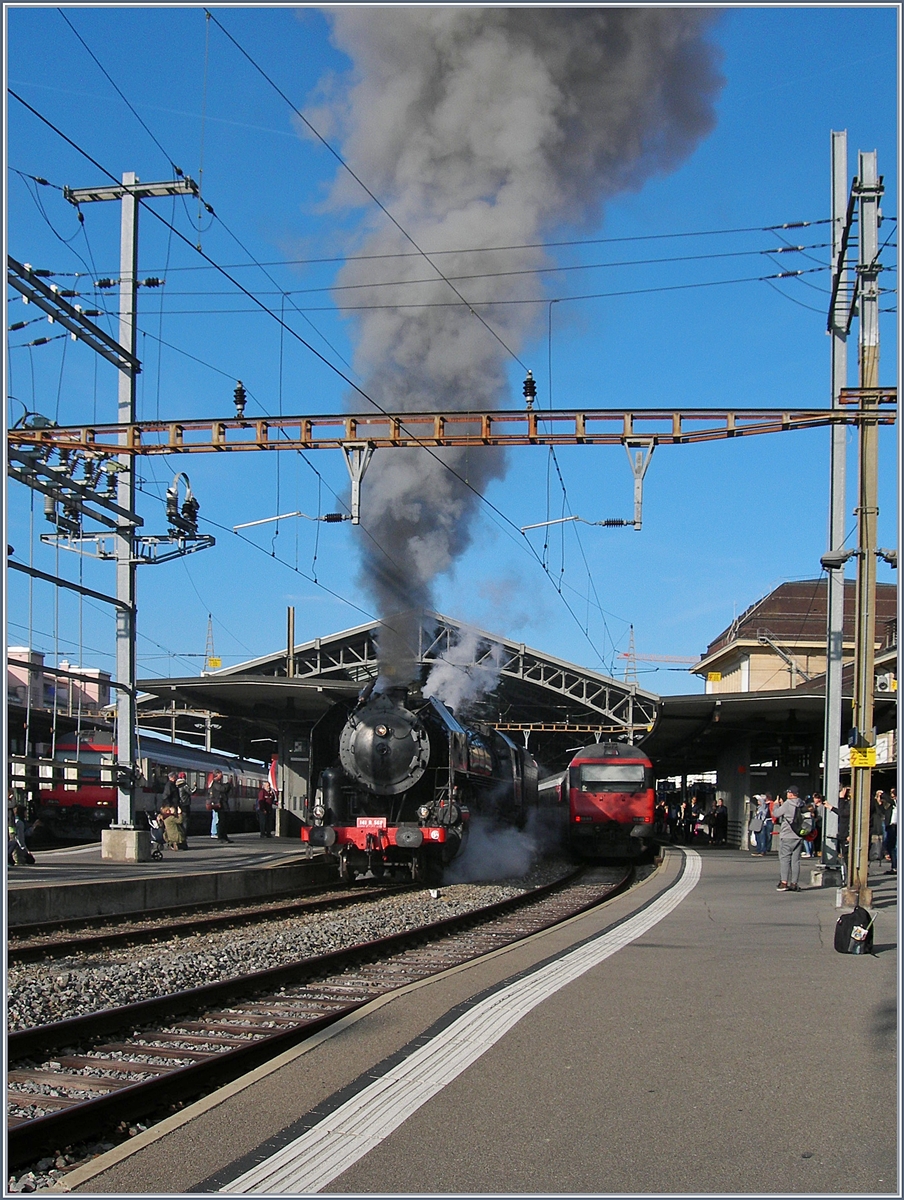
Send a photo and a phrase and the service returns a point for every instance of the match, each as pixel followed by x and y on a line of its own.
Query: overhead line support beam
pixel 596 427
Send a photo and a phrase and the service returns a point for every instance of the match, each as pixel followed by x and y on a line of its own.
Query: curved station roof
pixel 556 705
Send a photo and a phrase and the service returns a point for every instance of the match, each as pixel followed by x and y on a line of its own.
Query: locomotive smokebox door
pixel 384 746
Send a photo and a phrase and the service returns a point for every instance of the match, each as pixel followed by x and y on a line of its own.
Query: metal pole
pixel 125 495
pixel 869 190
pixel 290 642
pixel 837 471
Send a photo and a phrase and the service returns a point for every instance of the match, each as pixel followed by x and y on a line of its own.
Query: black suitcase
pixel 854 932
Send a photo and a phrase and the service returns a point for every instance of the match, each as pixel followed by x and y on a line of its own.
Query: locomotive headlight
pixel 319 812
pixel 381 730
pixel 423 812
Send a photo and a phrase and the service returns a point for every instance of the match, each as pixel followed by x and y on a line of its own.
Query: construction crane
pixel 633 657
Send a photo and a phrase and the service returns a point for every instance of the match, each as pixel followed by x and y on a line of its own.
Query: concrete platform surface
pixel 697 1035
pixel 74 882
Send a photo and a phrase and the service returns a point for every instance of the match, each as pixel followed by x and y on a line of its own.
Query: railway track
pixel 74 1079
pixel 28 943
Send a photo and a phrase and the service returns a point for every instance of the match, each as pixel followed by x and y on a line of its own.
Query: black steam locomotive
pixel 399 779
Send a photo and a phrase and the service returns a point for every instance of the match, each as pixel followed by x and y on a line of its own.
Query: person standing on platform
pixel 18 853
pixel 770 825
pixel 790 844
pixel 219 803
pixel 819 806
pixel 891 832
pixel 264 809
pixel 169 798
pixel 758 826
pixel 173 833
pixel 844 821
pixel 183 807
pixel 719 823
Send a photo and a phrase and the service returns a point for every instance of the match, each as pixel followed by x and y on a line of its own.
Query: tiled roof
pixel 796 612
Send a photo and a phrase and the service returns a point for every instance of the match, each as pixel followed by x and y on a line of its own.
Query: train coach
pixel 80 799
pixel 399 779
pixel 607 797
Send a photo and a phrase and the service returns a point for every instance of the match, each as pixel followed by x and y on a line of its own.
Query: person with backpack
pixel 790 818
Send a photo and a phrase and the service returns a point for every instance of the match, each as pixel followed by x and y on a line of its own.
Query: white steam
pixel 492 853
pixel 484 127
pixel 465 673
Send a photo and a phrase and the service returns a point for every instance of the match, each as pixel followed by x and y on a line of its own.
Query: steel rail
pixel 28 1138
pixel 519 427
pixel 30 949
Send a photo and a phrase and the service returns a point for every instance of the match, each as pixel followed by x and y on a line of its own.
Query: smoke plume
pixel 484 127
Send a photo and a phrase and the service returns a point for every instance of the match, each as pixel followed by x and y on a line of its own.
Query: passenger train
pixel 607 801
pixel 400 778
pixel 80 800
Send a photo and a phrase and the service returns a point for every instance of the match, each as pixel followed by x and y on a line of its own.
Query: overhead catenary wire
pixel 545 245
pixel 556 269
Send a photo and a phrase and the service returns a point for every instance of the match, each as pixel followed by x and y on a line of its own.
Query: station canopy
pixel 555 705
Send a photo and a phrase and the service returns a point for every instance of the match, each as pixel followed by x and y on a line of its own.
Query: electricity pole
pixel 129 193
pixel 837 463
pixel 868 190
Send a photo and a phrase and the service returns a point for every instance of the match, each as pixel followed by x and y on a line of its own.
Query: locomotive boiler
pixel 398 780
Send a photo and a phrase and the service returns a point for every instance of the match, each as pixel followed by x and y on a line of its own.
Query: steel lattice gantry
pixel 382 429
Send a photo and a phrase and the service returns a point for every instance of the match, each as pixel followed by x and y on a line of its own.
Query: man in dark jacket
pixel 719 823
pixel 218 794
pixel 183 805
pixel 169 797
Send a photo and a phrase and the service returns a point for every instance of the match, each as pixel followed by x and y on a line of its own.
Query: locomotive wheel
pixel 346 874
pixel 427 867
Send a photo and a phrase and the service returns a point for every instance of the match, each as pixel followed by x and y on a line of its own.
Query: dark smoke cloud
pixel 485 127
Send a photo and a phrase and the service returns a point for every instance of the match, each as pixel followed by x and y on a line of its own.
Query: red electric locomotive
pixel 609 793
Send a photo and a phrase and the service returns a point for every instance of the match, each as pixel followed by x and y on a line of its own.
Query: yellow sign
pixel 863 758
pixel 213 663
pixel 714 677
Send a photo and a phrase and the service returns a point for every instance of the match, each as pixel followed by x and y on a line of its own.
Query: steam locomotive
pixel 399 780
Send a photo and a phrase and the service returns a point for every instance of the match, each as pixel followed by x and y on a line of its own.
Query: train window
pixel 611 777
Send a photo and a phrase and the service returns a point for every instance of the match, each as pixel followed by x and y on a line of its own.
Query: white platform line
pixel 320 1155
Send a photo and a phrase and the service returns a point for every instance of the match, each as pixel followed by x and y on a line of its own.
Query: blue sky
pixel 724 523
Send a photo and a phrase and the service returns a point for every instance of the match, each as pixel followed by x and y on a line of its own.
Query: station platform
pixel 698 1034
pixel 75 882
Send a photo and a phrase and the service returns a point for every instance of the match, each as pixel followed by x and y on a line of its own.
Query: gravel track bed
pixel 39 993
pixel 379 917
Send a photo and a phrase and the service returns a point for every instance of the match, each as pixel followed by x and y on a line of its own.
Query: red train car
pixel 609 790
pixel 79 798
